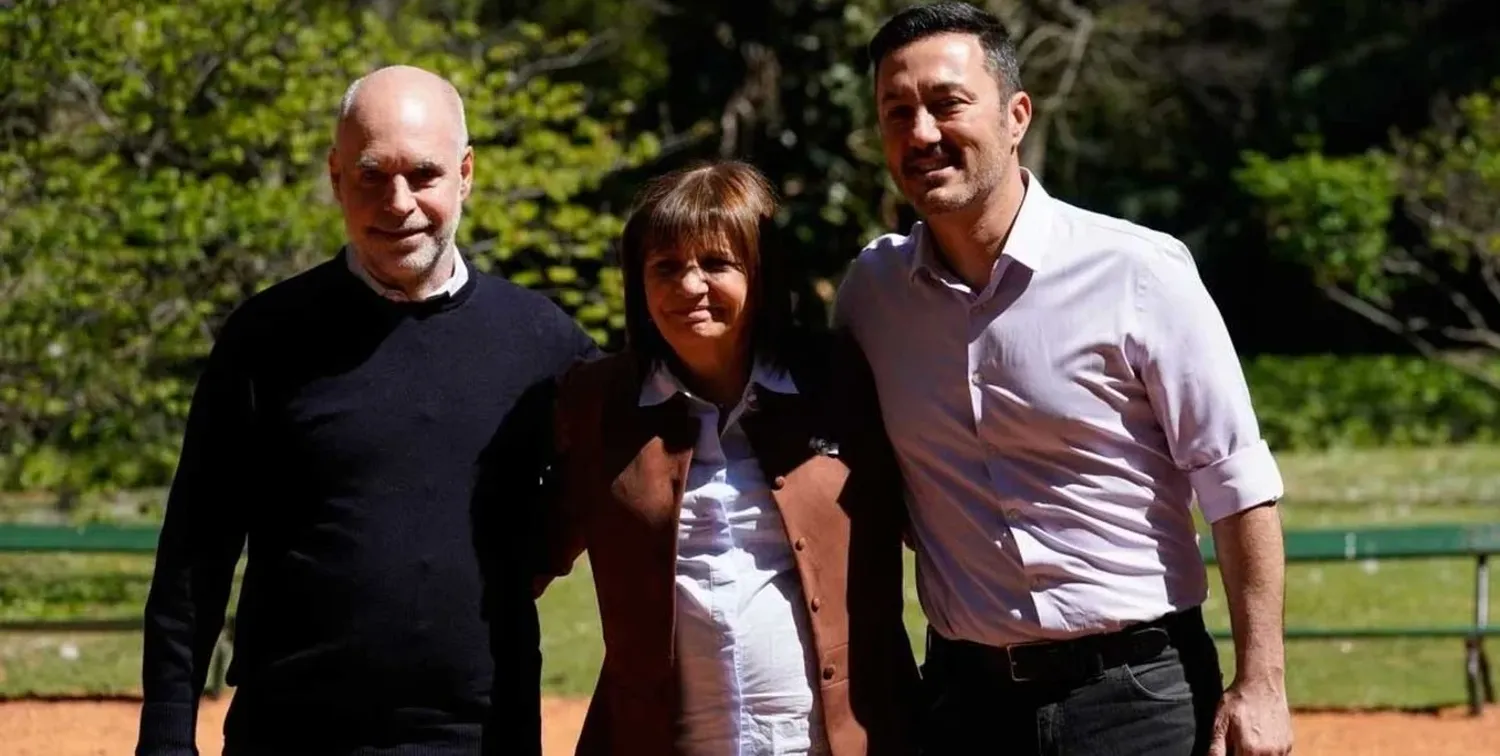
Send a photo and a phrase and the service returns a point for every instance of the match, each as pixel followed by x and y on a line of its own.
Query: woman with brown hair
pixel 730 480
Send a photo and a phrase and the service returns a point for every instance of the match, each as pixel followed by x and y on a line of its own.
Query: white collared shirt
pixel 1054 427
pixel 450 287
pixel 744 643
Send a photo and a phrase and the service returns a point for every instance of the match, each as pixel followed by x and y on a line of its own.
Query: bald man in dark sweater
pixel 373 429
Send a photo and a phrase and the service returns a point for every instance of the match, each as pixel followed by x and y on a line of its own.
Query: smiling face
pixel 949 131
pixel 696 295
pixel 703 280
pixel 401 173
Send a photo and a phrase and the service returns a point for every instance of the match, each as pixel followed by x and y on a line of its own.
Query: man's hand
pixel 1253 720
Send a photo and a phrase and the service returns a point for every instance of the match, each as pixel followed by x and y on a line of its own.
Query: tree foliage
pixel 1430 274
pixel 161 162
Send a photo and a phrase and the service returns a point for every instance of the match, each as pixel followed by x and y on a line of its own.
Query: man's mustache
pixel 919 162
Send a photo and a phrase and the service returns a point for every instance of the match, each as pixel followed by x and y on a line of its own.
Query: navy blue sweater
pixel 379 460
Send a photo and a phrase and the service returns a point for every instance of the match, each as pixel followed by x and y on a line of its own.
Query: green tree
pixel 159 162
pixel 1429 274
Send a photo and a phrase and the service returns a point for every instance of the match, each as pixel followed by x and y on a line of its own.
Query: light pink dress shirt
pixel 1055 427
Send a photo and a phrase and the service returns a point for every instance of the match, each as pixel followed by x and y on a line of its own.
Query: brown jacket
pixel 621 478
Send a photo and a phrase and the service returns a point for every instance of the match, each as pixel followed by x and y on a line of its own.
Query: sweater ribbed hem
pixel 168 729
pixel 457 747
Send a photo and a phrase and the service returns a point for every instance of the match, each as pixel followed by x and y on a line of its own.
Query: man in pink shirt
pixel 1059 388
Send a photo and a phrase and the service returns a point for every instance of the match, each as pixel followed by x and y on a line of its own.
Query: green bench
pixel 1331 545
pixel 1412 542
pixel 98 539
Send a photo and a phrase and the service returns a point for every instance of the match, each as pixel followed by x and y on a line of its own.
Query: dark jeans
pixel 1159 706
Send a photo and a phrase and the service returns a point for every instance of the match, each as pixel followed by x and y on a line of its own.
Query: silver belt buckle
pixel 1010 660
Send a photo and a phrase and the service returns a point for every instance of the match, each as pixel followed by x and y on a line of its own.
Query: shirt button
pixel 817 604
pixel 779 483
pixel 828 672
pixel 799 544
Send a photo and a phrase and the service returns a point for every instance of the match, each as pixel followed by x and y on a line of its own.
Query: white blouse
pixel 744 642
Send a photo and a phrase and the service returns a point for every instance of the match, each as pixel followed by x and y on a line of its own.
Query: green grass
pixel 69 664
pixel 571 646
pixel 1406 486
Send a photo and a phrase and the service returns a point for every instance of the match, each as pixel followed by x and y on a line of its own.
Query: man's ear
pixel 333 171
pixel 1019 109
pixel 466 173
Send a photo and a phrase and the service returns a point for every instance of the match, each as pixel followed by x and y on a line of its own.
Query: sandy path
pixel 107 728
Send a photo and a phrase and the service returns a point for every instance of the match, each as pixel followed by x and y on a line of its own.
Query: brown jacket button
pixel 779 483
pixel 828 672
pixel 799 544
pixel 817 604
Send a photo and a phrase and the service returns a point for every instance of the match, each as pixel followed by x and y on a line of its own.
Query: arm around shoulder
pixel 577 406
pixel 875 473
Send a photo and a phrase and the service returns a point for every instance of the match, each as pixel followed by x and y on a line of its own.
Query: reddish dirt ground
pixel 107 728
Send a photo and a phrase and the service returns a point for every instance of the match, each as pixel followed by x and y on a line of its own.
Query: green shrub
pixel 1330 401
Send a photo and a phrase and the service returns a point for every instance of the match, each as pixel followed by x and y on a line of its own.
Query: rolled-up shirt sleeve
pixel 1197 388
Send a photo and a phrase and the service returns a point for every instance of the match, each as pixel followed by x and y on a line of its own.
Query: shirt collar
pixel 449 288
pixel 661 385
pixel 1027 243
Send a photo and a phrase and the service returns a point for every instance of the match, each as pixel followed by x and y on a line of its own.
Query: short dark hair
pixel 924 21
pixel 698 203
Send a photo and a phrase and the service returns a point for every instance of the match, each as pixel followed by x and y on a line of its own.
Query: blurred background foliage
pixel 1334 166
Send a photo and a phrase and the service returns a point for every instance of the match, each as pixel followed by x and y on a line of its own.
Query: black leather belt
pixel 1072 660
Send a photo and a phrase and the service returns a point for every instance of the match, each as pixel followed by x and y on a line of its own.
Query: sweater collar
pixel 456 281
